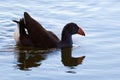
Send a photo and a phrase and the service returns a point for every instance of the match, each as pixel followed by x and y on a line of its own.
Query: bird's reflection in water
pixel 28 58
pixel 67 58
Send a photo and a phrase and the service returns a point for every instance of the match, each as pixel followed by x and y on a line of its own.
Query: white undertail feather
pixel 16 34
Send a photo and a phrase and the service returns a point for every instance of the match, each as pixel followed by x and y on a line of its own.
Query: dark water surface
pixel 95 57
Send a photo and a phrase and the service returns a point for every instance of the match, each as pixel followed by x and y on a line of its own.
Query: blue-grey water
pixel 100 19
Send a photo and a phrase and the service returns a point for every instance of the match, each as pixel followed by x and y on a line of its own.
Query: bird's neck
pixel 66 40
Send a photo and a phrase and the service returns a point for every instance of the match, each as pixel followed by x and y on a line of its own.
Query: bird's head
pixel 72 28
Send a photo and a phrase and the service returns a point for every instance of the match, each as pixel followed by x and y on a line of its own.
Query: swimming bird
pixel 31 33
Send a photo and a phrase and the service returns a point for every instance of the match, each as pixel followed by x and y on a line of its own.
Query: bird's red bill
pixel 81 32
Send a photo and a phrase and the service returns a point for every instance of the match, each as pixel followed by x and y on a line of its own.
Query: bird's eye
pixel 74 30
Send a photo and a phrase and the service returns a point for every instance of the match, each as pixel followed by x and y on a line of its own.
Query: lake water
pixel 100 19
